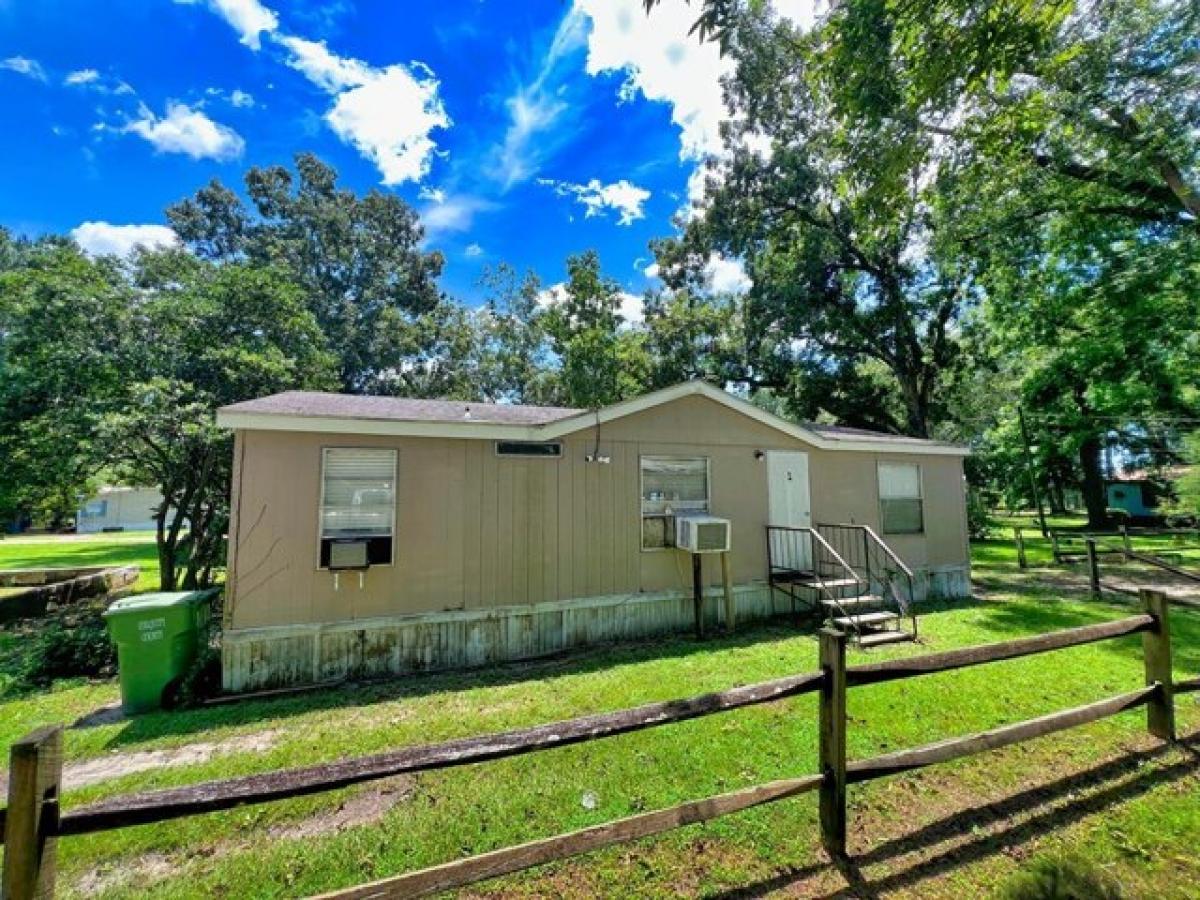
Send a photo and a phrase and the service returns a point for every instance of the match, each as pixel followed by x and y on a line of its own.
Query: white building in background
pixel 119 509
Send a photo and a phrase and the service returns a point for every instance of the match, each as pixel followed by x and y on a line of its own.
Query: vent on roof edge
pixel 547 449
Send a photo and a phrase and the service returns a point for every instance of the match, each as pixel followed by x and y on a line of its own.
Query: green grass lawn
pixel 1106 793
pixel 1182 549
pixel 134 548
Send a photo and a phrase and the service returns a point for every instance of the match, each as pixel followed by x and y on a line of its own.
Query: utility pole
pixel 1037 495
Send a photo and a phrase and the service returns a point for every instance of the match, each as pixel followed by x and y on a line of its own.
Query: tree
pixel 1070 106
pixel 600 361
pixel 1102 326
pixel 519 364
pixel 833 218
pixel 202 336
pixel 690 335
pixel 1091 105
pixel 358 259
pixel 62 318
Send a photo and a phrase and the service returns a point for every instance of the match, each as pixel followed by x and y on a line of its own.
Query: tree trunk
pixel 1094 499
pixel 1058 503
pixel 166 554
pixel 916 406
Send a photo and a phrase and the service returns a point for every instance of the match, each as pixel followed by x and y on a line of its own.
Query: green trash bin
pixel 158 636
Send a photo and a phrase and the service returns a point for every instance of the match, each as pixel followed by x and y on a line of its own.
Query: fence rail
pixel 33 822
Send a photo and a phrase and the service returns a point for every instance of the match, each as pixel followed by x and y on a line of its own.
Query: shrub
pixel 979 517
pixel 202 680
pixel 74 646
pixel 1061 878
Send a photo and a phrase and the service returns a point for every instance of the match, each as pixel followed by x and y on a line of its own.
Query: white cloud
pixel 652 270
pixel 433 195
pixel 453 213
pixel 106 239
pixel 241 99
pixel 189 131
pixel 389 119
pixel 386 114
pixel 621 196
pixel 537 106
pixel 23 65
pixel 631 308
pixel 82 76
pixel 249 18
pixel 726 276
pixel 473 250
pixel 663 62
pixel 322 67
pixel 803 14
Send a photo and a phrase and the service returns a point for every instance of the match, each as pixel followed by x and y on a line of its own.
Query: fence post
pixel 1125 540
pixel 832 746
pixel 1156 647
pixel 34 777
pixel 1054 546
pixel 1093 568
pixel 1019 537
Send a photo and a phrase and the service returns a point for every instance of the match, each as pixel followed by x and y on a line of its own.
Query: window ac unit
pixel 347 555
pixel 701 534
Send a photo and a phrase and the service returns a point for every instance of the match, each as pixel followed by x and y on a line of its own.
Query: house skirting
pixel 942 583
pixel 290 655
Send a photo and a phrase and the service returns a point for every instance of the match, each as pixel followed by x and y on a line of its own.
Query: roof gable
pixel 347 414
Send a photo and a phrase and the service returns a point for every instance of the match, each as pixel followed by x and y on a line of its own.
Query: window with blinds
pixel 358 500
pixel 670 485
pixel 901 507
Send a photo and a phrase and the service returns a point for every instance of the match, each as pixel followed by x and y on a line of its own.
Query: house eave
pixel 467 430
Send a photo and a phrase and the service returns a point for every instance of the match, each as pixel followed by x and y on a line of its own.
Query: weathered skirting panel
pixel 942 583
pixel 260 658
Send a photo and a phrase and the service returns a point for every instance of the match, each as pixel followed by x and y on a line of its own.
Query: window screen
pixel 358 500
pixel 901 508
pixel 670 485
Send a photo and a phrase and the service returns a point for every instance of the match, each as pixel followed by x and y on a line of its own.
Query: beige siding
pixel 477 531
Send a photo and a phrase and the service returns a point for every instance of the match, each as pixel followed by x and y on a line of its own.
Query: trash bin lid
pixel 160 600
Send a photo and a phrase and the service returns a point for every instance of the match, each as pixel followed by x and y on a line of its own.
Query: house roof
pixel 352 414
pixel 315 404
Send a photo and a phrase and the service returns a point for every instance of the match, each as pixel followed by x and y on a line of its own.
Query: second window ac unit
pixel 702 534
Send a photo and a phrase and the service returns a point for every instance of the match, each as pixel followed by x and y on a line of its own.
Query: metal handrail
pixel 837 556
pixel 872 542
pixel 880 543
pixel 833 598
pixel 818 577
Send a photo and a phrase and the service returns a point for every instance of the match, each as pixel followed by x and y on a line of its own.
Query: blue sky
pixel 522 131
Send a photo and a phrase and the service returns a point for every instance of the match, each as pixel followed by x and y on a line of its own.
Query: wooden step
pixel 884 637
pixel 830 583
pixel 852 602
pixel 871 618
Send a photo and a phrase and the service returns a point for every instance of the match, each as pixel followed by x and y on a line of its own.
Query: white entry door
pixel 789 503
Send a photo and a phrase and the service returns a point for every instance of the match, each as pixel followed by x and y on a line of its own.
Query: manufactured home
pixel 119 509
pixel 383 535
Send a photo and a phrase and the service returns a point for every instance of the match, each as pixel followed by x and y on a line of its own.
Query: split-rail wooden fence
pixel 34 820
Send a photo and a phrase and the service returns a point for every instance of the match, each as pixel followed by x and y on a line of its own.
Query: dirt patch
pixel 1118 579
pixel 363 808
pixel 141 870
pixel 115 765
